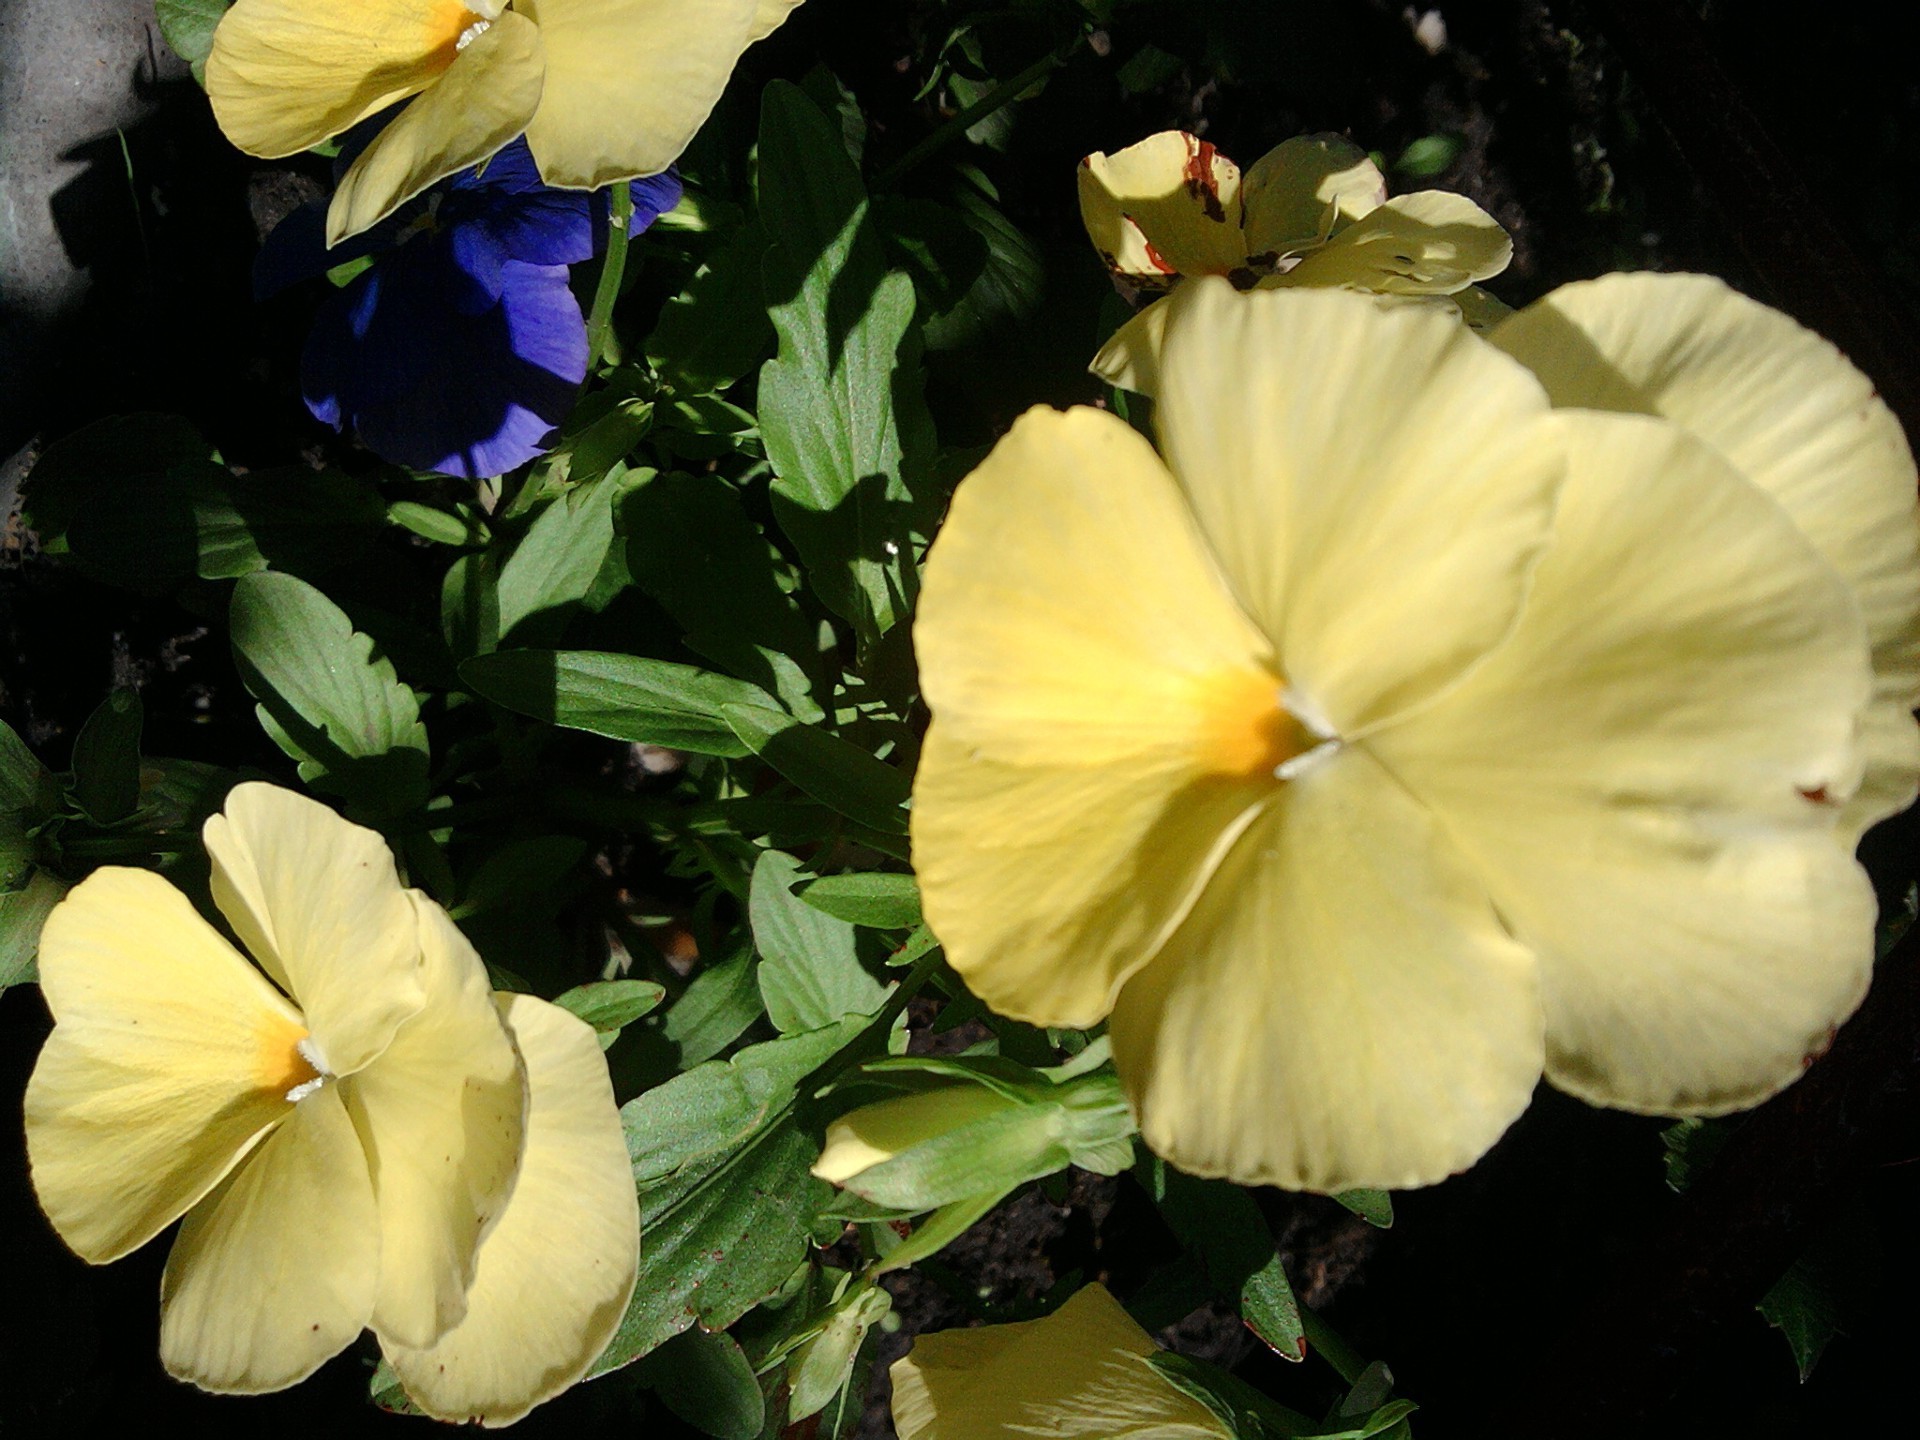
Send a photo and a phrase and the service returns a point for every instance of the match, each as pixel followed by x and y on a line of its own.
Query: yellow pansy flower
pixel 1313 211
pixel 357 1133
pixel 1398 737
pixel 604 90
pixel 1079 1372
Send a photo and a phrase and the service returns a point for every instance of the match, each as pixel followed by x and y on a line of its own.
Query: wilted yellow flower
pixel 603 89
pixel 1313 211
pixel 362 1136
pixel 1398 737
pixel 1079 1372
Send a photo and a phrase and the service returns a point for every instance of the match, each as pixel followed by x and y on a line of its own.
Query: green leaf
pixel 188 26
pixel 820 1368
pixel 138 501
pixel 693 548
pixel 729 1223
pixel 715 1009
pixel 719 1105
pixel 1373 1206
pixel 937 1231
pixel 877 901
pixel 625 697
pixel 22 913
pixel 1428 156
pixel 716 330
pixel 1007 287
pixel 106 759
pixel 610 1005
pixel 810 973
pixel 27 788
pixel 840 407
pixel 833 771
pixel 470 605
pixel 1223 1227
pixel 553 570
pixel 442 527
pixel 707 1381
pixel 326 698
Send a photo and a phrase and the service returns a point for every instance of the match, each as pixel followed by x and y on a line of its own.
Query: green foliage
pixel 188 26
pixel 326 697
pixel 839 406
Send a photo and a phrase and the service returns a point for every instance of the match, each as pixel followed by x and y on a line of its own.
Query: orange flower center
pixel 1249 732
pixel 283 1067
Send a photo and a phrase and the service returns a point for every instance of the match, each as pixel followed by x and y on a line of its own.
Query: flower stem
pixel 1332 1345
pixel 600 323
pixel 1001 95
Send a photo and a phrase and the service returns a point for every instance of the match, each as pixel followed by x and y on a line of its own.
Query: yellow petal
pixel 771 15
pixel 284 75
pixel 441 1114
pixel 555 1274
pixel 1080 1372
pixel 170 1058
pixel 1432 242
pixel 630 81
pixel 317 902
pixel 1130 359
pixel 1374 479
pixel 1791 414
pixel 1342 1010
pixel 485 98
pixel 1168 205
pixel 1099 709
pixel 274 1274
pixel 1302 190
pixel 1647 775
pixel 874 1133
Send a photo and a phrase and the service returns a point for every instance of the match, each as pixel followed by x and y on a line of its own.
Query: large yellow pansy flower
pixel 358 1137
pixel 1079 1372
pixel 1398 737
pixel 604 89
pixel 1313 211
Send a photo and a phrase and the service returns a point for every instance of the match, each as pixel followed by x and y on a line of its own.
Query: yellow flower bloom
pixel 1399 737
pixel 604 90
pixel 359 1137
pixel 1079 1372
pixel 1313 211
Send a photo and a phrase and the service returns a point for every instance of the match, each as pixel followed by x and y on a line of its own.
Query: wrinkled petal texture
pixel 274 1274
pixel 1302 190
pixel 1432 242
pixel 1080 1372
pixel 556 1272
pixel 1166 207
pixel 630 81
pixel 441 1115
pixel 316 900
pixel 170 1058
pixel 1375 481
pixel 483 100
pixel 1342 1009
pixel 1796 419
pixel 1077 648
pixel 283 75
pixel 1647 776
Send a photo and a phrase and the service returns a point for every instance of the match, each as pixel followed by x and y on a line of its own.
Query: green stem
pixel 1332 1346
pixel 1001 95
pixel 600 322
